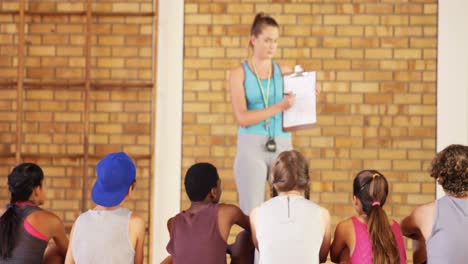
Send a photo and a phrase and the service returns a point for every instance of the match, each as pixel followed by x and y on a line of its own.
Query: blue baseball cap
pixel 115 173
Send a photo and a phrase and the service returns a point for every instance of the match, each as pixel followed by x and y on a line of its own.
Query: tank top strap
pixel 24 210
pixel 245 67
pixel 362 252
pixel 396 230
pixel 276 70
pixel 359 227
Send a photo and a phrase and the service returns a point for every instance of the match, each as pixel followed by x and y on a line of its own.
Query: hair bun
pixel 260 15
pixel 261 19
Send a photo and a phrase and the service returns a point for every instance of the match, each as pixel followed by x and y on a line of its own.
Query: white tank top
pixel 289 230
pixel 103 237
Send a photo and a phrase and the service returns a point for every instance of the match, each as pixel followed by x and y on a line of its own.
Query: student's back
pixel 443 224
pixel 25 228
pixel 449 237
pixel 289 230
pixel 30 243
pixel 197 235
pixel 362 251
pixel 109 233
pixel 369 237
pixel 103 237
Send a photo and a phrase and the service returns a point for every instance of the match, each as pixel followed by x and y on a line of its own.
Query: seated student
pixel 109 233
pixel 368 237
pixel 25 228
pixel 289 228
pixel 200 233
pixel 443 224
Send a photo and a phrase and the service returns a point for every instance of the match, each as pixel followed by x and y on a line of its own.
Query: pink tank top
pixel 196 238
pixel 362 252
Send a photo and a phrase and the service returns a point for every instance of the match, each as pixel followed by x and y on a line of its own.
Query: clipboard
pixel 303 114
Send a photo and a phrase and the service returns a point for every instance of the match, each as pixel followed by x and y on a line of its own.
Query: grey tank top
pixel 29 249
pixel 449 237
pixel 103 237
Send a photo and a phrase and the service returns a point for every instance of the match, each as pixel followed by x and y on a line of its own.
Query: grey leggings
pixel 252 167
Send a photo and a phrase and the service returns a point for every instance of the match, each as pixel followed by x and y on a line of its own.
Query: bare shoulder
pixel 2 211
pixel 228 208
pixel 423 215
pixel 345 226
pixel 254 212
pixel 325 217
pixel 47 216
pixel 425 210
pixel 324 212
pixel 237 72
pixel 344 232
pixel 137 227
pixel 137 221
pixel 46 222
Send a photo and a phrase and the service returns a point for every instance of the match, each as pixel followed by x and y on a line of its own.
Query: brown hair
pixel 290 172
pixel 451 165
pixel 371 188
pixel 260 21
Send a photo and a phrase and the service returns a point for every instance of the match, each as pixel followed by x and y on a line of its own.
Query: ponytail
pixel 8 225
pixel 21 182
pixel 255 29
pixel 371 188
pixel 384 247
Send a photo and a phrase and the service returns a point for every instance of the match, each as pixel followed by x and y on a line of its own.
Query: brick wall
pixel 8 95
pixel 376 65
pixel 61 119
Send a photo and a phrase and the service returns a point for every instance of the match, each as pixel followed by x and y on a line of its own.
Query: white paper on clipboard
pixel 303 112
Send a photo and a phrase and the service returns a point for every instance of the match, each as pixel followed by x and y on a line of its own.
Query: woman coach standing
pixel 258 102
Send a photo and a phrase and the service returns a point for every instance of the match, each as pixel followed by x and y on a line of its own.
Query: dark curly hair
pixel 451 165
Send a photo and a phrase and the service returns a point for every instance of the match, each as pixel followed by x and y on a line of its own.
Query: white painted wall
pixel 168 152
pixel 452 75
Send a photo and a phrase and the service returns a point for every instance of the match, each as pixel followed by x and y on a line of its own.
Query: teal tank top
pixel 254 100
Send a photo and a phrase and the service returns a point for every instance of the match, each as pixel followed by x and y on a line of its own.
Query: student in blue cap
pixel 109 233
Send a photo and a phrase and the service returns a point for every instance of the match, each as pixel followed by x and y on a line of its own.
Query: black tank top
pixel 28 249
